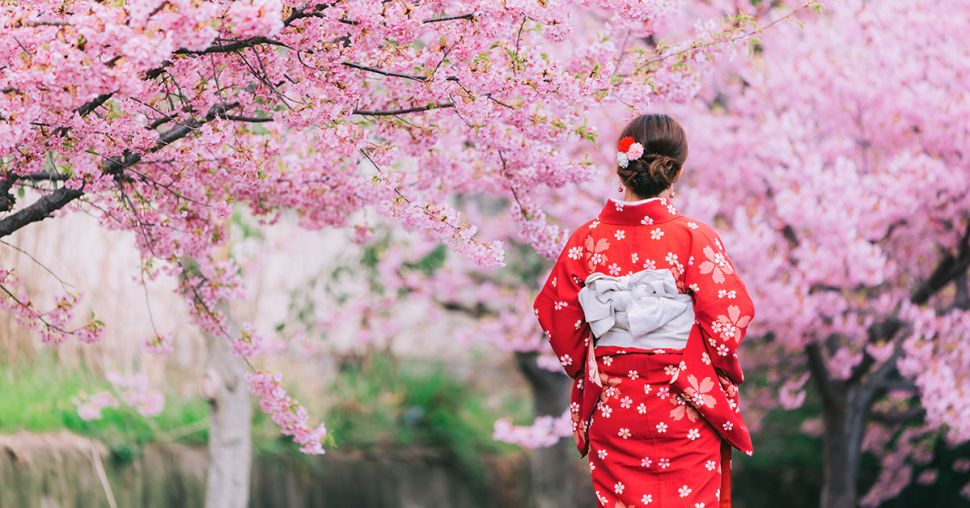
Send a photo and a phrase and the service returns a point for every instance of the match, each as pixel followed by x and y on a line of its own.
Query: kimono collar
pixel 646 211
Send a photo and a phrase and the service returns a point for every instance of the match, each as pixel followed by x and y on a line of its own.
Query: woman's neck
pixel 629 195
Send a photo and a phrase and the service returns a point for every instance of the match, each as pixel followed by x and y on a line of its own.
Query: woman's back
pixel 630 237
pixel 651 234
pixel 645 311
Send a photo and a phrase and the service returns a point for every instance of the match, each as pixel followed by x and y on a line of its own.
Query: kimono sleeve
pixel 557 308
pixel 722 307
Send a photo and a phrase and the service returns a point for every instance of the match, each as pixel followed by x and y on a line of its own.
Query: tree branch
pixel 884 329
pixel 93 104
pixel 385 73
pixel 230 47
pixel 250 119
pixel 468 16
pixel 962 298
pixel 913 415
pixel 44 176
pixel 820 374
pixel 416 109
pixel 306 13
pixel 947 270
pixel 43 207
pixel 951 268
pixel 38 210
pixel 49 203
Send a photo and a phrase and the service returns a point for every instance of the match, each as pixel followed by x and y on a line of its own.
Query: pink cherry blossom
pixel 163 119
pixel 285 412
pixel 90 408
pixel 159 344
pixel 843 202
pixel 137 393
pixel 544 431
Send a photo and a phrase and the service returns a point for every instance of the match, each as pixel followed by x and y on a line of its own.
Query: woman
pixel 645 311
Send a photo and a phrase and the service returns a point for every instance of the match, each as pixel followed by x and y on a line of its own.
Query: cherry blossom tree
pixel 836 165
pixel 160 117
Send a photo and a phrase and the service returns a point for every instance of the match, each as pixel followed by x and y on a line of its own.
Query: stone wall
pixel 62 470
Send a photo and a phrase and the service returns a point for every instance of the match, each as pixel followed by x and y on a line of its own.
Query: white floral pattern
pixel 699 394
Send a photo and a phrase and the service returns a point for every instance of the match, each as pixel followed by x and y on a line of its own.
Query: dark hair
pixel 664 152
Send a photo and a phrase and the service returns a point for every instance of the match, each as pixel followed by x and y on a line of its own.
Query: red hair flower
pixel 625 143
pixel 628 150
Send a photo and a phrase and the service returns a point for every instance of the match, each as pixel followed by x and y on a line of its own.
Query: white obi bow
pixel 642 309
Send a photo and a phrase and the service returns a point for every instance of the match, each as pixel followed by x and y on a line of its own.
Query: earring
pixel 619 189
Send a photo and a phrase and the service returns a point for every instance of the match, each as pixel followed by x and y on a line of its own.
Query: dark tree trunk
pixel 846 404
pixel 551 468
pixel 845 423
pixel 846 408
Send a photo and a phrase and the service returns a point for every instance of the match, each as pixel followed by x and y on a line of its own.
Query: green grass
pixel 381 404
pixel 39 398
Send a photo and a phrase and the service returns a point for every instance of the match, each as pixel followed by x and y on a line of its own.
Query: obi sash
pixel 644 311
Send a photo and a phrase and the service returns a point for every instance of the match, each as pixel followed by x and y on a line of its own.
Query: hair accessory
pixel 628 150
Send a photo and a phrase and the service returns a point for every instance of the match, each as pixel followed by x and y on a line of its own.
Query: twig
pixel 416 109
pixel 383 72
pixel 63 283
pixel 469 16
pixel 733 39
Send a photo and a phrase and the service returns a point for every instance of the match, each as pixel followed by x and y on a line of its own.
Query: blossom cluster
pixel 90 408
pixel 544 431
pixel 135 391
pixel 53 326
pixel 628 150
pixel 286 412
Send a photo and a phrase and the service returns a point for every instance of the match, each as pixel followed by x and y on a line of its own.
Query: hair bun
pixel 652 171
pixel 651 150
pixel 662 168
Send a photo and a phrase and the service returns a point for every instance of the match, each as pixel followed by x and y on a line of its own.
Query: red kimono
pixel 654 421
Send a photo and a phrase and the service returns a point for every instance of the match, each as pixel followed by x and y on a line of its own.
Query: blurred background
pixel 830 153
pixel 410 390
